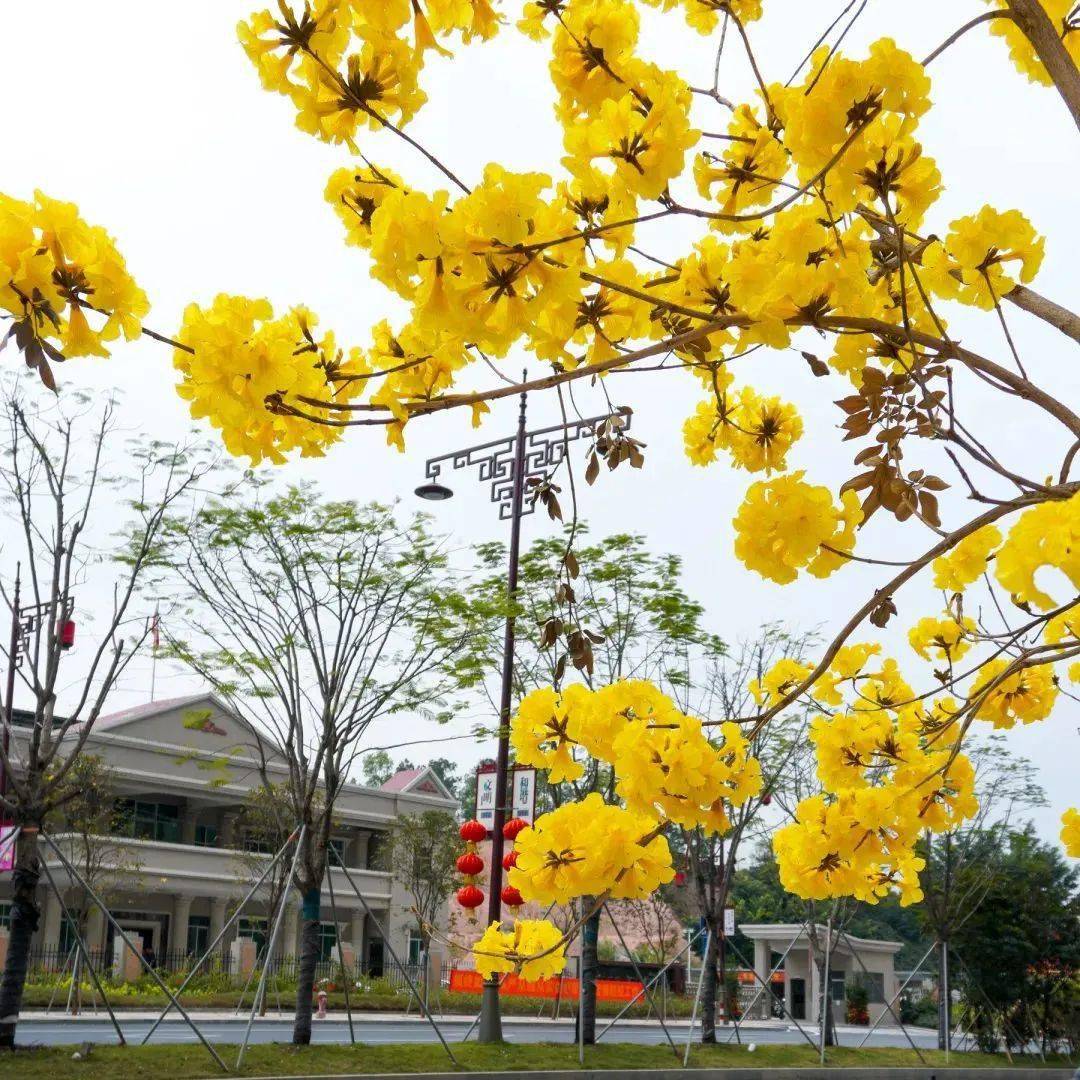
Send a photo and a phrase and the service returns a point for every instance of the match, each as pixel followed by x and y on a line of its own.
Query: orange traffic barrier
pixel 466 981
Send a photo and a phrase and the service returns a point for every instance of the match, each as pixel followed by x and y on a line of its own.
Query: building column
pixel 356 935
pixel 178 932
pixel 187 826
pixel 217 916
pixel 50 928
pixel 762 955
pixel 358 852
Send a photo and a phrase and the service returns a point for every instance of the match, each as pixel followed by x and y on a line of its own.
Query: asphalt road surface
pixel 66 1030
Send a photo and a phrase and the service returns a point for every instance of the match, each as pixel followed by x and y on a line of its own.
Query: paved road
pixel 231 1030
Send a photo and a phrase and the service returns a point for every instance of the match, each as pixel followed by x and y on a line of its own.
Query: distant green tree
pixel 376 768
pixel 962 865
pixel 1025 926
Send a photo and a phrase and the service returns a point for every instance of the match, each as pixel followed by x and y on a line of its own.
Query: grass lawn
pixel 187 1062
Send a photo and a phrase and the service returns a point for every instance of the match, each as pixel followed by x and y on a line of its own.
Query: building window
pixel 257 846
pixel 335 850
pixel 67 938
pixel 5 916
pixel 327 941
pixel 206 835
pixel 253 928
pixel 874 981
pixel 198 934
pixel 416 946
pixel 837 987
pixel 148 820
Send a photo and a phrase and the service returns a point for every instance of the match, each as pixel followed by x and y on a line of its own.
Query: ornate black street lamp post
pixel 508 465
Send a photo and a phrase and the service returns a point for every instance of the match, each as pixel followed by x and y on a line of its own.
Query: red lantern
pixel 680 878
pixel 509 860
pixel 472 832
pixel 470 865
pixel 470 898
pixel 513 827
pixel 67 633
pixel 766 799
pixel 511 897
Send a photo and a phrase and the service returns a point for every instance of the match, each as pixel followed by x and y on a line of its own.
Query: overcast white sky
pixel 149 116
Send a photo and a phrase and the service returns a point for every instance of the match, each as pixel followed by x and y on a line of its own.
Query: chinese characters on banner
pixel 522 794
pixel 485 798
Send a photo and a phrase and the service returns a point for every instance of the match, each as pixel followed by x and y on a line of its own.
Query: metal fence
pixel 55 961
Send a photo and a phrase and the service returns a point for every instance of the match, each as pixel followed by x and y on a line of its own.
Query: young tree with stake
pixel 313 620
pixel 58 472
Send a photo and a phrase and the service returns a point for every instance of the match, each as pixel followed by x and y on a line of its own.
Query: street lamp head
pixel 434 492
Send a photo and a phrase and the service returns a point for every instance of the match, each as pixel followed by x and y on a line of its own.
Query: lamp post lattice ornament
pixel 523 460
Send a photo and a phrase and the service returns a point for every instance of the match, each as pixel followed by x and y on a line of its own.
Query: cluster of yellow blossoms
pixel 235 357
pixel 1070 832
pixel 888 771
pixel 887 758
pixel 1063 17
pixel 534 948
pixel 665 766
pixel 347 65
pixel 54 268
pixel 666 770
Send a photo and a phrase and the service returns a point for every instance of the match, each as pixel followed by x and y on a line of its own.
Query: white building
pixel 801 986
pixel 183 769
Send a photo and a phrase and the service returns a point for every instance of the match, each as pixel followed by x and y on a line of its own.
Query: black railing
pixel 56 961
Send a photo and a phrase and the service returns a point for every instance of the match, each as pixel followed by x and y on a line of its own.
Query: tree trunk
pixel 305 975
pixel 24 922
pixel 825 1012
pixel 590 936
pixel 711 984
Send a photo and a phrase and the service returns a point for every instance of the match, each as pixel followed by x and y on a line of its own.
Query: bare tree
pixel 313 620
pixel 653 922
pixel 57 482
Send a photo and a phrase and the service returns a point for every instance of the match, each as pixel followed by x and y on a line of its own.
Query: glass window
pixel 148 820
pixel 257 846
pixel 253 928
pixel 335 850
pixel 67 937
pixel 327 941
pixel 415 947
pixel 206 835
pixel 198 934
pixel 836 986
pixel 5 916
